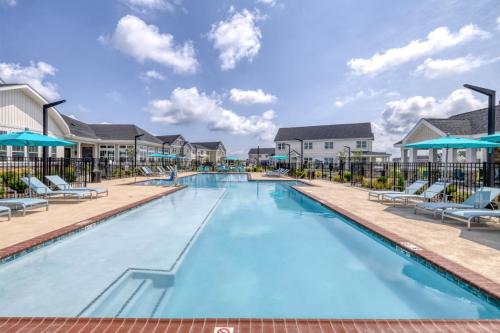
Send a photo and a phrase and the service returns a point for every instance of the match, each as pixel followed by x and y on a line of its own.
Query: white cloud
pixel 498 23
pixel 73 116
pixel 8 3
pixel 362 94
pixel 237 38
pixel 251 96
pixel 189 106
pixel 115 96
pixel 436 41
pixel 35 75
pixel 134 37
pixel 150 5
pixel 434 68
pixel 399 116
pixel 268 2
pixel 152 74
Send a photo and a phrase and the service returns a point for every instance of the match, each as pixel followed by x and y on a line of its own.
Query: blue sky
pixel 237 70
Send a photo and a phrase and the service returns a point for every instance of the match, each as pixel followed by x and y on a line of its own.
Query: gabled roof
pixel 452 126
pixel 208 145
pixel 337 131
pixel 107 131
pixel 168 138
pixel 267 151
pixel 122 132
pixel 468 123
pixel 79 128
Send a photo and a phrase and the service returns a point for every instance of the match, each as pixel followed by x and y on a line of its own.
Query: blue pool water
pixel 225 247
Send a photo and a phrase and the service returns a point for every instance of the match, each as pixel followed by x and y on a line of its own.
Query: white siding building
pixel 327 143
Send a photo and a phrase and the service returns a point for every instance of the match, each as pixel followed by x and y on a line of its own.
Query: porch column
pixel 452 155
pixel 78 150
pixel 471 155
pixel 432 155
pixel 413 155
pixel 404 157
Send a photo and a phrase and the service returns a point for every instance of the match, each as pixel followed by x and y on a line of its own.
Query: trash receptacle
pixel 96 176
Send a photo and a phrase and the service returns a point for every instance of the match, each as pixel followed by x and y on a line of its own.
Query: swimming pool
pixel 226 247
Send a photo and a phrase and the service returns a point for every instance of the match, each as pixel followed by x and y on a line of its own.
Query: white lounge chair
pixel 40 189
pixel 25 204
pixel 479 200
pixel 411 189
pixel 467 215
pixel 429 194
pixel 5 211
pixel 61 184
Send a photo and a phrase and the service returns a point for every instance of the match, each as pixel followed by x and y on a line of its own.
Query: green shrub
pixel 347 176
pixel 69 174
pixel 13 181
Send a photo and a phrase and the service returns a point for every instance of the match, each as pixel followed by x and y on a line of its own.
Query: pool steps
pixel 137 293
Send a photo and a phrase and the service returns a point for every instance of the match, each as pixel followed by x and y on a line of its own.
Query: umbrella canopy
pixel 171 156
pixel 231 158
pixel 279 157
pixel 452 142
pixel 491 138
pixel 158 155
pixel 31 139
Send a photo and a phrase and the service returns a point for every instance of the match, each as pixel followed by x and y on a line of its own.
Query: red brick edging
pixel 487 286
pixel 39 240
pixel 110 325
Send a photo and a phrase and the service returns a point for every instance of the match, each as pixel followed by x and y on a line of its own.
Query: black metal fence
pixel 73 170
pixel 463 178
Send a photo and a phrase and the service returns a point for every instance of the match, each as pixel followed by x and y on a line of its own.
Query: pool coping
pixel 476 280
pixel 41 240
pixel 242 325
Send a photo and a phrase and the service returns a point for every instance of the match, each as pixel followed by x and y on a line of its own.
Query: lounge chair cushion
pixel 470 213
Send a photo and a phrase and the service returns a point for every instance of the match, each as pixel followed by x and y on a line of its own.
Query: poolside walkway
pixel 63 213
pixel 477 249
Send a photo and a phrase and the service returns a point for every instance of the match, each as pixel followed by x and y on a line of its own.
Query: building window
pixel 17 151
pixel 32 152
pixel 123 151
pixel 328 160
pixel 53 152
pixel 361 144
pixel 143 152
pixel 329 145
pixel 281 146
pixel 308 145
pixel 107 151
pixel 307 161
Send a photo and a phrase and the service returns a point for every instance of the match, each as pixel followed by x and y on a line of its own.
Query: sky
pixel 236 71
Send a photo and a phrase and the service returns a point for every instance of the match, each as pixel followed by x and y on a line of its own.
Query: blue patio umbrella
pixel 231 158
pixel 31 139
pixel 491 138
pixel 158 155
pixel 279 157
pixel 447 142
pixel 171 156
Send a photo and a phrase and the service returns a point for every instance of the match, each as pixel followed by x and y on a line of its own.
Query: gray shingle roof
pixel 452 126
pixel 467 123
pixel 267 151
pixel 338 131
pixel 168 138
pixel 79 128
pixel 107 131
pixel 207 145
pixel 122 132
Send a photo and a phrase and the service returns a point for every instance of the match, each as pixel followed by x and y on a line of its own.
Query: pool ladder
pixel 136 293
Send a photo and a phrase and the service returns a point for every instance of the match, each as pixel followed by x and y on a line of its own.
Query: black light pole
pixel 301 152
pixel 46 108
pixel 135 151
pixel 491 124
pixel 289 153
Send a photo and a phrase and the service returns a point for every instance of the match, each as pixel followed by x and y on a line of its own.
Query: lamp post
pixel 491 124
pixel 135 152
pixel 46 108
pixel 348 155
pixel 289 153
pixel 301 152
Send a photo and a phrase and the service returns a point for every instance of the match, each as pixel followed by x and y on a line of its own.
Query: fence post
pixel 394 175
pixel 429 179
pixel 371 175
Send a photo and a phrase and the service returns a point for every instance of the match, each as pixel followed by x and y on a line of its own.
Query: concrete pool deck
pixel 63 213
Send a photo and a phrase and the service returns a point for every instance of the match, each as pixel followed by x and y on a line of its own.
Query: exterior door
pixel 87 152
